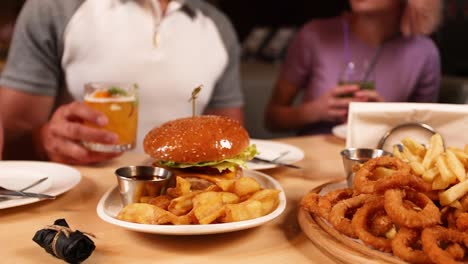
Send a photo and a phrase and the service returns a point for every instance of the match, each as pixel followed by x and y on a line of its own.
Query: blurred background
pixel 265 28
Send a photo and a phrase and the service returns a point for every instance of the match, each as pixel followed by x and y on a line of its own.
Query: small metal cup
pixel 353 156
pixel 139 181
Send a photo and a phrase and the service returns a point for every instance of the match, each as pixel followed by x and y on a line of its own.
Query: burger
pixel 203 149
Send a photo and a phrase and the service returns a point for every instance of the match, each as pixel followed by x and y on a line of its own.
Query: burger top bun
pixel 196 139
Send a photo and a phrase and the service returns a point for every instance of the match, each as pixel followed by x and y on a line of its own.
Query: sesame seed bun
pixel 196 139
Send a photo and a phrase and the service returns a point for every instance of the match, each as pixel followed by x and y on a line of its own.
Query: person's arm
pixel 282 115
pixel 22 114
pixel 30 134
pixel 30 84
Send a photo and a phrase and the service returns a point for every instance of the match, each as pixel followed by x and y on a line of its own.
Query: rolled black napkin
pixel 64 243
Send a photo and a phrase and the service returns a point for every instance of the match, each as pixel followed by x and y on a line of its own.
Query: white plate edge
pixel 25 201
pixel 211 229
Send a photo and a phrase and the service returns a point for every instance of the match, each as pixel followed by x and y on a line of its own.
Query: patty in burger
pixel 201 146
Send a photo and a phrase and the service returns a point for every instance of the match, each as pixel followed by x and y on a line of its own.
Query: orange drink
pixel 119 103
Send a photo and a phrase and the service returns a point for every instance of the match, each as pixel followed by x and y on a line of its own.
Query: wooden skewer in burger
pixel 203 149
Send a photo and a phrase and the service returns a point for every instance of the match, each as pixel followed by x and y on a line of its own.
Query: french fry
pixel 398 154
pixel 409 155
pixel 414 161
pixel 457 205
pixel 430 174
pixel 455 165
pixel 417 168
pixel 436 147
pixel 461 155
pixel 414 147
pixel 445 173
pixel 209 206
pixel 245 186
pixel 439 183
pixel 466 148
pixel 453 193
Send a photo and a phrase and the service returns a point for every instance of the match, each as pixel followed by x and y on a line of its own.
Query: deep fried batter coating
pixel 402 181
pixel 360 224
pixel 363 182
pixel 380 223
pixel 462 222
pixel 339 212
pixel 432 237
pixel 456 251
pixel 429 214
pixel 405 246
pixel 310 203
pixel 322 205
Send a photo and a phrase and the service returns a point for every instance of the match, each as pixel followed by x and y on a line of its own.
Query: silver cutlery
pixel 5 198
pixel 33 184
pixel 281 155
pixel 257 159
pixel 7 192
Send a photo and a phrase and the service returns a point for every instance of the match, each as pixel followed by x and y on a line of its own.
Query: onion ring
pixel 429 214
pixel 360 224
pixel 401 180
pixel 322 206
pixel 449 217
pixel 310 202
pixel 339 212
pixel 380 223
pixel 456 251
pixel 362 179
pixel 433 236
pixel 464 202
pixel 462 222
pixel 327 201
pixel 403 246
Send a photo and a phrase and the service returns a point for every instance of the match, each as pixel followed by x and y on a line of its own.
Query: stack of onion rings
pixel 398 213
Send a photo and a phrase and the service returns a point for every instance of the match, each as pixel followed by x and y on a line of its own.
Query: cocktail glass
pixel 357 74
pixel 119 102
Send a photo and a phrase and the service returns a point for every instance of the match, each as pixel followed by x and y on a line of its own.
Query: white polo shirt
pixel 59 45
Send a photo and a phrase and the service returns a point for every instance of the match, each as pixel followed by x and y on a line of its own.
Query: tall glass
pixel 357 74
pixel 119 102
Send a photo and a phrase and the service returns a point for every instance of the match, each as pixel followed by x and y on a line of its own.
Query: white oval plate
pixel 18 174
pixel 110 205
pixel 269 150
pixel 340 131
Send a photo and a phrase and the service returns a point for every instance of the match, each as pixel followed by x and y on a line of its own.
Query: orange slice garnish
pixel 102 94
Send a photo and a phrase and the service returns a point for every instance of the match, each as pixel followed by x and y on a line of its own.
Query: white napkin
pixel 368 122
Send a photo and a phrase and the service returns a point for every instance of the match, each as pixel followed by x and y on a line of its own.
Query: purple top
pixel 407 68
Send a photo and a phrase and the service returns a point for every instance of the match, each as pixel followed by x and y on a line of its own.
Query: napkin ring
pixel 404 125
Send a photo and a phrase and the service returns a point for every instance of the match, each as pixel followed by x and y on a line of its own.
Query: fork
pixel 4 198
pixel 281 155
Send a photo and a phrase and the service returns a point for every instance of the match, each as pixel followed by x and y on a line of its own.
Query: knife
pixel 7 192
pixel 276 163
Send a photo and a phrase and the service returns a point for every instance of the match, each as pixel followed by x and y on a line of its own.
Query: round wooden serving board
pixel 339 247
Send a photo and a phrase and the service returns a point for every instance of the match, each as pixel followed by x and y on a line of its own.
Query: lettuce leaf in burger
pixel 215 145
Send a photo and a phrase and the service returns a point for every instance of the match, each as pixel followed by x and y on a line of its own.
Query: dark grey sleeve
pixel 34 59
pixel 227 92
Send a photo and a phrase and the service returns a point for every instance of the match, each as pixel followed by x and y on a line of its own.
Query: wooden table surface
pixel 279 241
